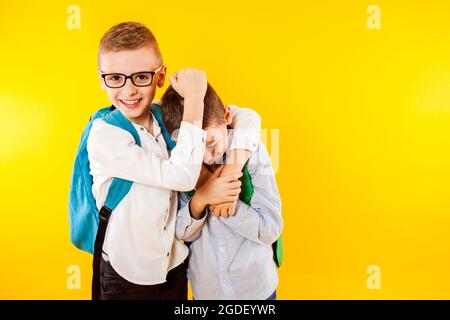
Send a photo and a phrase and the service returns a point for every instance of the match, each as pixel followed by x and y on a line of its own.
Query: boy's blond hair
pixel 128 36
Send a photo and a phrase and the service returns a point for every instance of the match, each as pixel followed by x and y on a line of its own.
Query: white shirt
pixel 140 239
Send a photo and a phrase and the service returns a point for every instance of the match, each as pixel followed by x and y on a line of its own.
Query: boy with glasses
pixel 141 257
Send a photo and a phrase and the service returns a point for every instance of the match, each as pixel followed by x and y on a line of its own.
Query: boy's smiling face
pixel 131 100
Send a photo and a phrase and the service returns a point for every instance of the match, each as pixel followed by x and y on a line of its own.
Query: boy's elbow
pixel 256 115
pixel 187 237
pixel 184 235
pixel 178 236
pixel 185 180
pixel 271 236
pixel 273 231
pixel 187 185
pixel 190 235
pixel 256 118
pixel 191 238
pixel 191 183
pixel 252 112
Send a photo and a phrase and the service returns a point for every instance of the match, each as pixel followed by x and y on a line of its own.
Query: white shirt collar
pixel 156 127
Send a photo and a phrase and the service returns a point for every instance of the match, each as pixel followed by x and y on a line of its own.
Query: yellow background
pixel 364 118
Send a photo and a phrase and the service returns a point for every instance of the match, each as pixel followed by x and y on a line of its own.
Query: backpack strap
pixel 156 110
pixel 82 205
pixel 116 118
pixel 118 189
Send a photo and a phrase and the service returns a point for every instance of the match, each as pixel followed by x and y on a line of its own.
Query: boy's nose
pixel 129 87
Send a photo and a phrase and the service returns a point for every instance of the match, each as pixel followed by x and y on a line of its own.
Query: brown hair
pixel 128 36
pixel 172 109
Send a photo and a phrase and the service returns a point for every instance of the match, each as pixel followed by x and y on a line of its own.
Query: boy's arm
pixel 192 213
pixel 114 153
pixel 260 222
pixel 190 221
pixel 246 125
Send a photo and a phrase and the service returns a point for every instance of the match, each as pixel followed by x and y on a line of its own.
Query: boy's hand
pixel 190 83
pixel 220 189
pixel 223 209
pixel 235 163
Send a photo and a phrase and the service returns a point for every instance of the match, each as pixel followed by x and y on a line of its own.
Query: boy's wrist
pixel 194 98
pixel 197 205
pixel 193 111
pixel 231 168
pixel 236 160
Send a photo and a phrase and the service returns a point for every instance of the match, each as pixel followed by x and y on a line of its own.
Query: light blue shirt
pixel 232 258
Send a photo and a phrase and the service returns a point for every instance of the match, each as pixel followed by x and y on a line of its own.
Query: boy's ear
pixel 161 78
pixel 102 84
pixel 228 116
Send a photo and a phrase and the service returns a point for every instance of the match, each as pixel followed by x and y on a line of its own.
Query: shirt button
pixel 164 227
pixel 168 253
pixel 142 129
pixel 213 218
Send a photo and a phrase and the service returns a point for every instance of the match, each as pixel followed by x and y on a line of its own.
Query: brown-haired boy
pixel 230 257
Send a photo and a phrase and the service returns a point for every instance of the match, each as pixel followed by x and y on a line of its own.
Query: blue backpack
pixel 83 211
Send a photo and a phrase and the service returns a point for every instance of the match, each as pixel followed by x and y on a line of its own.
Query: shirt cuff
pixel 244 139
pixel 190 134
pixel 187 220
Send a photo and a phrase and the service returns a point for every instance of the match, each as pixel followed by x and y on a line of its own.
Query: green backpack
pixel 246 196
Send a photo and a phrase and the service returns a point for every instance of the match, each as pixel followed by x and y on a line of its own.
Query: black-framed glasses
pixel 139 79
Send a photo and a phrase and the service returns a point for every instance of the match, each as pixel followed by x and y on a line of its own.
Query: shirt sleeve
pixel 113 152
pixel 260 222
pixel 246 124
pixel 187 228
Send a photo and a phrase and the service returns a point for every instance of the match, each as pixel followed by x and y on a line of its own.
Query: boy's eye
pixel 142 77
pixel 113 77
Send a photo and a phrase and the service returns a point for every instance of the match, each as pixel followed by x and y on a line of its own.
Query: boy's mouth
pixel 130 103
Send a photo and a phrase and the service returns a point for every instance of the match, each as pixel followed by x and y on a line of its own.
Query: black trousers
pixel 114 287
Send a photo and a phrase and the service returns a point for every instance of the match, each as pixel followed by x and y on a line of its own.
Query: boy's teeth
pixel 130 101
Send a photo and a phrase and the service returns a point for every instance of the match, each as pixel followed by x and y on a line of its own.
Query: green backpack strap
pixel 277 247
pixel 247 190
